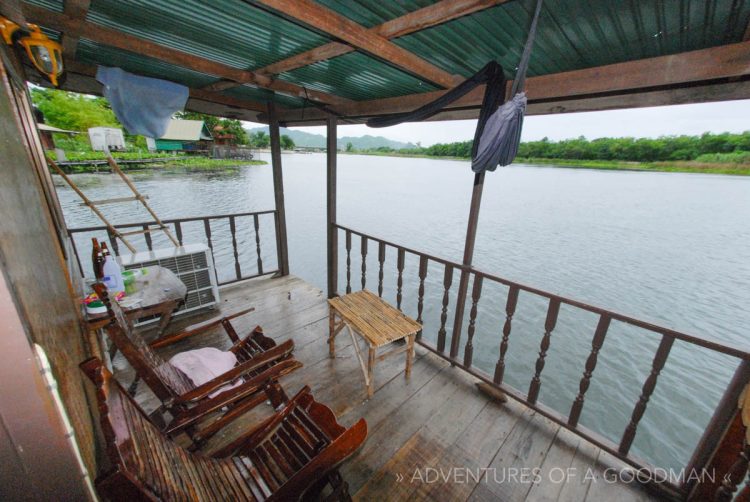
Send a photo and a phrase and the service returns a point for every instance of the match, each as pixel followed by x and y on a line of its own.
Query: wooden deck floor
pixel 432 437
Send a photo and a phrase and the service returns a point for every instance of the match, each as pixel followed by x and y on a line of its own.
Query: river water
pixel 669 248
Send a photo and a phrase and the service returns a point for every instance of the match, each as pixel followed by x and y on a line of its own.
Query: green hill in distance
pixel 366 142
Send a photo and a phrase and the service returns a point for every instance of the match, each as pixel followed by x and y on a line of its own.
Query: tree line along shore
pixel 723 153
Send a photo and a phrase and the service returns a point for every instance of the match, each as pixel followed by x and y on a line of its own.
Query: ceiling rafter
pixel 124 41
pixel 722 62
pixel 309 13
pixel 426 17
pixel 77 11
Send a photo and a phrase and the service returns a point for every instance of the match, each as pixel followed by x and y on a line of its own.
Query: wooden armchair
pixel 291 455
pixel 260 364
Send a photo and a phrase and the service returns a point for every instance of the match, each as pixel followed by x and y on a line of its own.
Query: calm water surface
pixel 669 248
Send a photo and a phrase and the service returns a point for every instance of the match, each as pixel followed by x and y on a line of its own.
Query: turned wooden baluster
pixel 510 309
pixel 734 477
pixel 147 236
pixel 420 297
pixel 596 345
pixel 364 261
pixel 400 281
pixel 549 325
pixel 233 230
pixel 476 292
pixel 178 231
pixel 256 223
pixel 207 231
pixel 348 262
pixel 447 280
pixel 648 388
pixel 381 261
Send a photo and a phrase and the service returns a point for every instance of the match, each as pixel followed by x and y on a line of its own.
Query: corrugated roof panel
pixel 98 54
pixel 357 76
pixel 55 5
pixel 371 13
pixel 264 95
pixel 230 31
pixel 579 34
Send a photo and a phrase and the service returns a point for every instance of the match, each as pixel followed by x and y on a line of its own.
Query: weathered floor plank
pixel 431 437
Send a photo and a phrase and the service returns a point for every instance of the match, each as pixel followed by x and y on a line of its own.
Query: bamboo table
pixel 378 323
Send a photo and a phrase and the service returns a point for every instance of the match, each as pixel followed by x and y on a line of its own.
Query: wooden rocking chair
pixel 260 364
pixel 291 455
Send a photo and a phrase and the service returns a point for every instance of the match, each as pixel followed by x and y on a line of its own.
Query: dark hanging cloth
pixel 498 132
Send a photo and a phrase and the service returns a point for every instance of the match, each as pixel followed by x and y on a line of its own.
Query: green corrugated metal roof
pixel 264 95
pixel 581 34
pixel 98 54
pixel 55 5
pixel 357 76
pixel 573 34
pixel 370 13
pixel 228 31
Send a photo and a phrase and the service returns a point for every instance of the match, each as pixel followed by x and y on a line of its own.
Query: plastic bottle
pixel 113 275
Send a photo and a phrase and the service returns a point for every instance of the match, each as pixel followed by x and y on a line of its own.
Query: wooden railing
pixel 235 223
pixel 706 450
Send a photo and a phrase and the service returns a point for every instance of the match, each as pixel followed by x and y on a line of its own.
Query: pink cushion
pixel 203 365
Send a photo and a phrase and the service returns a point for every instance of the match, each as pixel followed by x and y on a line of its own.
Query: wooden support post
pixel 333 241
pixel 463 284
pixel 715 449
pixel 282 248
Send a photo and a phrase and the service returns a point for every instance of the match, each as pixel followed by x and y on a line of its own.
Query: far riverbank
pixel 165 164
pixel 740 169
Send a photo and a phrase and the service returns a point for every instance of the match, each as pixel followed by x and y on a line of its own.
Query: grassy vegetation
pixel 170 164
pixel 692 166
pixel 737 163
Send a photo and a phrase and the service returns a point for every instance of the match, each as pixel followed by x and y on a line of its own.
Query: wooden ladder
pixel 136 196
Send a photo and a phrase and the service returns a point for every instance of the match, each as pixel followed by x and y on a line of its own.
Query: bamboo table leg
pixel 370 371
pixel 331 333
pixel 409 354
pixel 333 330
pixel 366 370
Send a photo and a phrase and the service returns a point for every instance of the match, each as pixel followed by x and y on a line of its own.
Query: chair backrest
pixel 147 465
pixel 165 380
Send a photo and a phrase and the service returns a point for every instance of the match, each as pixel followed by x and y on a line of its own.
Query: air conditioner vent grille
pixel 194 267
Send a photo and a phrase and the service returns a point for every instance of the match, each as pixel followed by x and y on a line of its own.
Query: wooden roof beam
pixel 124 41
pixel 694 94
pixel 722 62
pixel 76 10
pixel 432 15
pixel 309 13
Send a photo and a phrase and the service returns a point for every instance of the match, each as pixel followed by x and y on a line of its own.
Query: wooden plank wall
pixel 33 255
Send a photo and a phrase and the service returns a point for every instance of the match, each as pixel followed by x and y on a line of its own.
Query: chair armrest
pixel 197 329
pixel 276 354
pixel 248 388
pixel 324 462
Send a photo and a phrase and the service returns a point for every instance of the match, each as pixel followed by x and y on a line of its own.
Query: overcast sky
pixel 731 116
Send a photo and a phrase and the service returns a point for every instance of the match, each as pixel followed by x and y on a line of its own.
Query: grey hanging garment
pixel 498 130
pixel 498 144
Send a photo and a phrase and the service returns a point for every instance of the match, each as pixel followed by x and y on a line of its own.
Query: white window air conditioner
pixel 192 263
